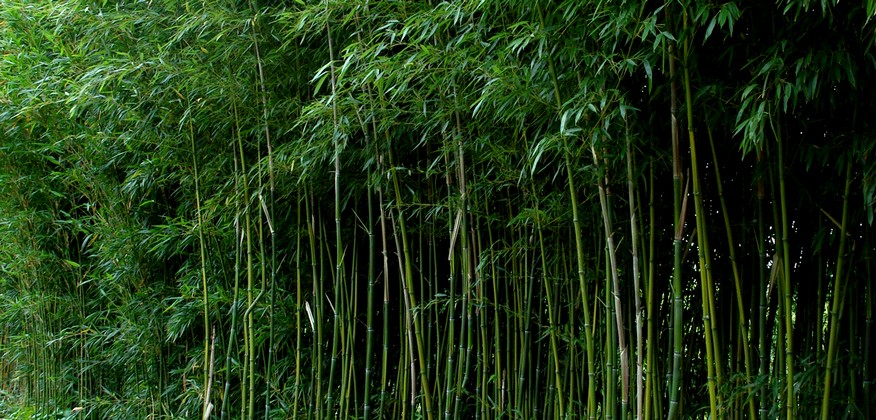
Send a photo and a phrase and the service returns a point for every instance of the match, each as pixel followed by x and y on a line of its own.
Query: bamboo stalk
pixel 634 238
pixel 837 300
pixel 269 214
pixel 786 281
pixel 552 325
pixel 573 196
pixel 238 252
pixel 385 353
pixel 614 285
pixel 206 405
pixel 651 382
pixel 407 284
pixel 339 252
pixel 679 203
pixel 298 294
pixel 868 334
pixel 743 330
pixel 712 362
pixel 763 343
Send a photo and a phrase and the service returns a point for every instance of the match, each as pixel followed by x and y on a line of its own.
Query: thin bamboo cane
pixel 552 325
pixel 677 300
pixel 207 407
pixel 316 258
pixel 407 284
pixel 614 284
pixel 678 204
pixel 786 280
pixel 743 330
pixel 467 272
pixel 385 353
pixel 868 334
pixel 449 386
pixel 573 196
pixel 712 365
pixel 651 378
pixel 298 294
pixel 338 308
pixel 500 391
pixel 634 237
pixel 763 344
pixel 369 322
pixel 238 252
pixel 837 300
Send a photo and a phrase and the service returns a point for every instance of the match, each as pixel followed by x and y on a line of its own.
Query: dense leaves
pixel 436 209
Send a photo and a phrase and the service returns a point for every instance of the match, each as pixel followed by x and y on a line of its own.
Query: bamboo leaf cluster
pixel 463 209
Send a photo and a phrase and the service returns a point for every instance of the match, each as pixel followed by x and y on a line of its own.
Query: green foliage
pixel 217 207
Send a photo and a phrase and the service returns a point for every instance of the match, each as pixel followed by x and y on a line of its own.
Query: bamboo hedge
pixel 465 209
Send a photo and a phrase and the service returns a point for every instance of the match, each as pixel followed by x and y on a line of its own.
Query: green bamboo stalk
pixel 610 348
pixel 406 377
pixel 467 272
pixel 407 284
pixel 837 300
pixel 534 402
pixel 268 211
pixel 743 330
pixel 260 228
pixel 634 237
pixel 297 394
pixel 484 347
pixel 552 325
pixel 207 406
pixel 449 386
pixel 702 244
pixel 369 322
pixel 247 403
pixel 791 404
pixel 679 217
pixel 238 252
pixel 763 344
pixel 573 196
pixel 677 309
pixel 385 353
pixel 523 365
pixel 500 371
pixel 317 315
pixel 777 283
pixel 339 257
pixel 868 325
pixel 614 284
pixel 651 379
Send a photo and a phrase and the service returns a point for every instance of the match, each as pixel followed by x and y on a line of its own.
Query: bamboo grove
pixel 466 209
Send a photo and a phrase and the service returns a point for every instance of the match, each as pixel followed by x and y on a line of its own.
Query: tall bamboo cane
pixel 678 203
pixel 837 301
pixel 743 330
pixel 207 406
pixel 702 243
pixel 786 279
pixel 634 238
pixel 579 246
pixel 615 283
